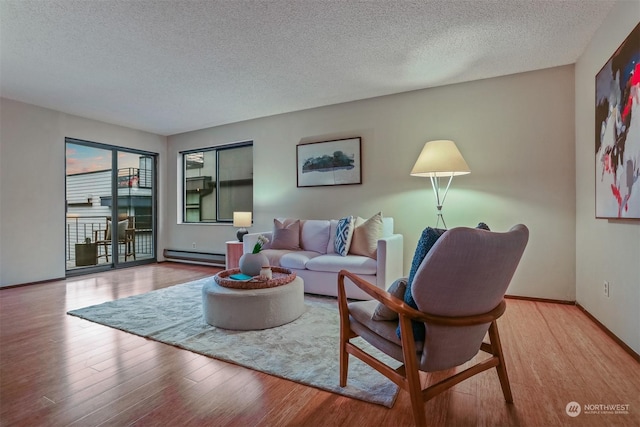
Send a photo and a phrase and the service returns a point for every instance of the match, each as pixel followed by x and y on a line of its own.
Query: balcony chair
pixel 458 289
pixel 126 236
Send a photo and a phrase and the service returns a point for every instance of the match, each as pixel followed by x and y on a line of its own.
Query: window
pixel 217 182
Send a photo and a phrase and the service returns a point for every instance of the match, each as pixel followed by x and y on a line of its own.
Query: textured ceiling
pixel 174 66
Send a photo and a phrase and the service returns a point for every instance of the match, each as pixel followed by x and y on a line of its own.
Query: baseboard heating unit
pixel 217 260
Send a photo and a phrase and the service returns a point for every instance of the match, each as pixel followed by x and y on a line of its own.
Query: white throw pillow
pixel 122 229
pixel 366 235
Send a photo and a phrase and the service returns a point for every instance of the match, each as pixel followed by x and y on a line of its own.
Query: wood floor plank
pixel 57 369
pixel 194 402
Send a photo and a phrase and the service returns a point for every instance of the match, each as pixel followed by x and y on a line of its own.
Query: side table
pixel 86 254
pixel 234 252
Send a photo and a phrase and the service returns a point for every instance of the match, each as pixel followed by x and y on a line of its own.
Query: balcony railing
pixel 85 229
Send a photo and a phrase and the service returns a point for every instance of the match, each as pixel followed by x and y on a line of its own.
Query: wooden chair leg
pixel 494 336
pixel 415 394
pixel 344 361
pixel 411 371
pixel 130 245
pixel 106 251
pixel 345 331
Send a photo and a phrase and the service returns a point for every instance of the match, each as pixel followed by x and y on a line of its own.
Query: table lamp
pixel 242 220
pixel 440 159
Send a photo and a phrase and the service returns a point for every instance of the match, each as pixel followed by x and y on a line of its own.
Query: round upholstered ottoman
pixel 247 309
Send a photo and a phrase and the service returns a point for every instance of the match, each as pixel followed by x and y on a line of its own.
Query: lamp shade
pixel 440 158
pixel 242 219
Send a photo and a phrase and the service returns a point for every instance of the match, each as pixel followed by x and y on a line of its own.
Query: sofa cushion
pixel 344 234
pixel 274 255
pixel 297 259
pixel 334 263
pixel 314 235
pixel 333 224
pixel 286 234
pixel 366 235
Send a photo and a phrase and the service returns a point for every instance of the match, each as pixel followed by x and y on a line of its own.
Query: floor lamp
pixel 437 160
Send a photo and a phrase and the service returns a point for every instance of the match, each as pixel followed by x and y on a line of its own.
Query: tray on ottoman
pixel 281 276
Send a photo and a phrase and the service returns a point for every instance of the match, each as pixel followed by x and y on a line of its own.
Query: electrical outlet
pixel 193 245
pixel 606 288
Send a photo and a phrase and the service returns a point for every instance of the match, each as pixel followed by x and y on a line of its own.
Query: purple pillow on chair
pixel 397 289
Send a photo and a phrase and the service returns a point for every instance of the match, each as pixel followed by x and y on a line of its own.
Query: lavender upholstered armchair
pixel 459 291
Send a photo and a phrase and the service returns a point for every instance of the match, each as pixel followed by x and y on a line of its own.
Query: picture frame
pixel 329 163
pixel 617 133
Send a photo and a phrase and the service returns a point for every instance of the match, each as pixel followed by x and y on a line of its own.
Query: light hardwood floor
pixel 58 370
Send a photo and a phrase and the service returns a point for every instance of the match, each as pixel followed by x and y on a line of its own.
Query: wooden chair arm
pixel 96 237
pixel 404 309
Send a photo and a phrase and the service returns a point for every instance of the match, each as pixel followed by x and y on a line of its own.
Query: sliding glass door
pixel 110 193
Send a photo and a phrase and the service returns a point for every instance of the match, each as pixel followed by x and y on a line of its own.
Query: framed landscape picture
pixel 329 163
pixel 617 150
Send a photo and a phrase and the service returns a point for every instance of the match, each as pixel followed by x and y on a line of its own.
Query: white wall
pixel 32 191
pixel 605 250
pixel 516 133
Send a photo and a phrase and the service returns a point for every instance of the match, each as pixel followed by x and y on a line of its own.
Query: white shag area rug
pixel 304 351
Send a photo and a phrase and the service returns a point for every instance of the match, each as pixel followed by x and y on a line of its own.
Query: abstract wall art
pixel 617 133
pixel 329 163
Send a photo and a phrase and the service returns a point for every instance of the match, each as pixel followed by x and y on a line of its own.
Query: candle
pixel 265 273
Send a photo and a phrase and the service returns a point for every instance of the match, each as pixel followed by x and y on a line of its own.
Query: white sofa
pixel 318 264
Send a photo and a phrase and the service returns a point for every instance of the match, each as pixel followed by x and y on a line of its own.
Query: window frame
pixel 218 149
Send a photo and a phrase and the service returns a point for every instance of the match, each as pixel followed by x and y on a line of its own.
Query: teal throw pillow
pixel 428 238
